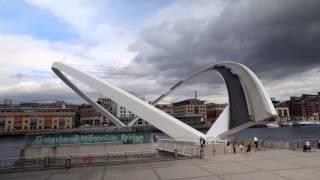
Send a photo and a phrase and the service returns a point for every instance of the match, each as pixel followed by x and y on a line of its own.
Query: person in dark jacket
pixel 249 147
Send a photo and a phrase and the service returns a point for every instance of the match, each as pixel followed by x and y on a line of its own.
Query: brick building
pixel 214 110
pixel 305 107
pixel 90 116
pixel 26 118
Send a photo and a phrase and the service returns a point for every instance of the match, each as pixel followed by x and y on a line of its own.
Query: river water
pixel 10 147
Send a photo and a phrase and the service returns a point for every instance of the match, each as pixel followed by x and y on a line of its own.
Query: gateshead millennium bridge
pixel 248 101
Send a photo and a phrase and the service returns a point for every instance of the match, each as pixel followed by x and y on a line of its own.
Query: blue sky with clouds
pixel 34 33
pixel 160 40
pixel 20 17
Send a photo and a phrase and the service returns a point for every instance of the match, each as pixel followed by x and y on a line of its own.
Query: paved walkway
pixel 275 165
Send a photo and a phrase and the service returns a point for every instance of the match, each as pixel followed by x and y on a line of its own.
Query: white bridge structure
pixel 248 102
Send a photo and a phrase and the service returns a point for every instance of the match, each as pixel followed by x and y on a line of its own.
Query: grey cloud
pixel 274 38
pixel 18 76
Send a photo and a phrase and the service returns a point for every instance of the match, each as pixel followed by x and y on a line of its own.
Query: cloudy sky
pixel 145 46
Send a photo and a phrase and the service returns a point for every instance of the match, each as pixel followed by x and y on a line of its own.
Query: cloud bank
pixel 278 39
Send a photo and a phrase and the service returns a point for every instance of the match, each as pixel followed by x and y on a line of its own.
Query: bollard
pixel 46 162
pixel 68 163
pixel 295 146
pixel 201 153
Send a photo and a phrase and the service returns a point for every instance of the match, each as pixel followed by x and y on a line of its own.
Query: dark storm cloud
pixel 273 37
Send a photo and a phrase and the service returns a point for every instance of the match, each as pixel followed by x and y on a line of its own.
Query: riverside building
pixel 305 107
pixel 90 116
pixel 190 111
pixel 26 118
pixel 214 110
pixel 282 109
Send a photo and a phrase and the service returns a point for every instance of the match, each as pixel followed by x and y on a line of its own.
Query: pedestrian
pixel 241 145
pixel 249 147
pixel 307 147
pixel 234 148
pixel 228 146
pixel 319 144
pixel 202 142
pixel 154 139
pixel 255 140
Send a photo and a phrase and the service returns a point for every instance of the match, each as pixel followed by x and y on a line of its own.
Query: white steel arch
pixel 257 101
pixel 166 123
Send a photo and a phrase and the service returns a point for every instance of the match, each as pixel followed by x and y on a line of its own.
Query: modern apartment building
pixel 165 107
pixel 190 111
pixel 120 112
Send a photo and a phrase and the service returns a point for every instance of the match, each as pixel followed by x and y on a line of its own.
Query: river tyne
pixel 10 147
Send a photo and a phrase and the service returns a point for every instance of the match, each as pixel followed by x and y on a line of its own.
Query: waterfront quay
pixel 276 165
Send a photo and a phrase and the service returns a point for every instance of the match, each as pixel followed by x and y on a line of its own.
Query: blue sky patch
pixel 18 17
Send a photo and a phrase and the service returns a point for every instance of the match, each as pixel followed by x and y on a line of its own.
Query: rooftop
pixel 189 102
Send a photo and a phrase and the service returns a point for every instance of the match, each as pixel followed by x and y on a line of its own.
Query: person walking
pixel 228 146
pixel 249 147
pixel 202 142
pixel 255 140
pixel 234 148
pixel 241 147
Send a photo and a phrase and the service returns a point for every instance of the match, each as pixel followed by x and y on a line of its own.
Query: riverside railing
pixel 183 148
pixel 296 145
pixel 76 160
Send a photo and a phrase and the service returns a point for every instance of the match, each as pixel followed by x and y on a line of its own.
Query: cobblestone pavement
pixel 275 165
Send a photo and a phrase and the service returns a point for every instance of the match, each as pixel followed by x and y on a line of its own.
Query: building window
pixel 2 123
pixel 279 113
pixel 33 123
pixel 196 110
pixel 62 122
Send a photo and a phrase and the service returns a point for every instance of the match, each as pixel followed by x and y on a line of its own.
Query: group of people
pixel 241 145
pixel 307 146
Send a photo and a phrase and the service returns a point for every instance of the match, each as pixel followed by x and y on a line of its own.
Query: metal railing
pixel 91 159
pixel 184 148
pixel 296 145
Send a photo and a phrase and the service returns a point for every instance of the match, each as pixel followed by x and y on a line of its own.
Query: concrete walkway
pixel 266 165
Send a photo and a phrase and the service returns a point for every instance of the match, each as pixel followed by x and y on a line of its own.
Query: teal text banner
pixel 57 139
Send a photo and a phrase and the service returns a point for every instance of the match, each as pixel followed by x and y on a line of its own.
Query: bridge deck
pixel 277 165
